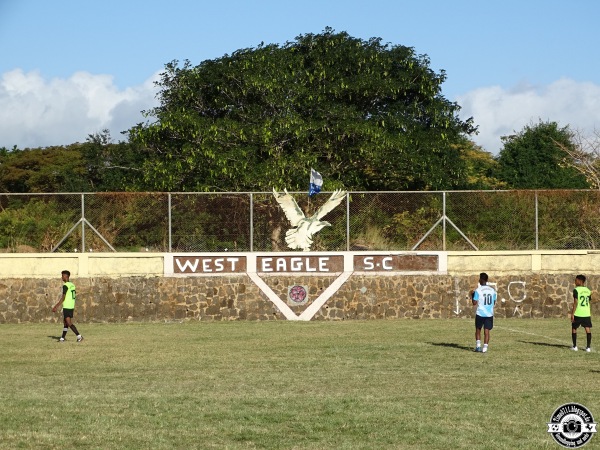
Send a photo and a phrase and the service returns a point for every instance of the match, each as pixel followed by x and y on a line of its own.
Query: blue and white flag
pixel 316 181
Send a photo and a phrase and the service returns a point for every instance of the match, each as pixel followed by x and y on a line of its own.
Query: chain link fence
pixel 246 222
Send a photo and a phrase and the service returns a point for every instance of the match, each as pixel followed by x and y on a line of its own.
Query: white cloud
pixel 500 112
pixel 35 112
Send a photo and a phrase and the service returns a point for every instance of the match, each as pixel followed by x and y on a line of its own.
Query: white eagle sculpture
pixel 300 236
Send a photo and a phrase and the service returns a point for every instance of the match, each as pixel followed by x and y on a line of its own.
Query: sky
pixel 71 68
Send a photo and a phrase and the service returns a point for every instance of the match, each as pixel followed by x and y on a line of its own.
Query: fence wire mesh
pixel 210 222
pixel 242 222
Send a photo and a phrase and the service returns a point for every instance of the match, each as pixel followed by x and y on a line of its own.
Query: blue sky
pixel 69 68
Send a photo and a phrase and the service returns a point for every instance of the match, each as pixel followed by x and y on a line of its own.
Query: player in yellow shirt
pixel 581 313
pixel 67 300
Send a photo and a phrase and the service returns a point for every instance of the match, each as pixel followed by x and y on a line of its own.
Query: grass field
pixel 288 385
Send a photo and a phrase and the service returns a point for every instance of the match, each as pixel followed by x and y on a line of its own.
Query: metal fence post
pixel 444 221
pixel 82 223
pixel 348 222
pixel 251 222
pixel 170 227
pixel 537 235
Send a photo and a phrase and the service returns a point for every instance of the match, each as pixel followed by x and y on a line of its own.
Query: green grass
pixel 288 385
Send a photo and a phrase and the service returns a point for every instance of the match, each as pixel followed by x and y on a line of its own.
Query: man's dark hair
pixel 66 272
pixel 483 276
pixel 580 277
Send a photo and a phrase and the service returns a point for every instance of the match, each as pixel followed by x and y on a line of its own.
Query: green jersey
pixel 583 296
pixel 69 293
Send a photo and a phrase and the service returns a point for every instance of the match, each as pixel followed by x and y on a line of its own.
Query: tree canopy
pixel 482 168
pixel 367 115
pixel 112 166
pixel 95 165
pixel 50 169
pixel 534 159
pixel 583 154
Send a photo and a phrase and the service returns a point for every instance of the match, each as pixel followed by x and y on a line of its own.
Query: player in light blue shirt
pixel 484 297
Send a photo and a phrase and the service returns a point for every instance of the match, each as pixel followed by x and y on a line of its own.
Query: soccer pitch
pixel 389 384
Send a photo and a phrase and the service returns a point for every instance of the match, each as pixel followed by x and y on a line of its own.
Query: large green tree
pixel 111 166
pixel 534 159
pixel 366 115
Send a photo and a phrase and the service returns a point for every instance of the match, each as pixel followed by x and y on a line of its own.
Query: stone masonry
pixel 236 297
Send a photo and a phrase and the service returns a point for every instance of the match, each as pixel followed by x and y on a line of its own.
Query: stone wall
pixel 236 297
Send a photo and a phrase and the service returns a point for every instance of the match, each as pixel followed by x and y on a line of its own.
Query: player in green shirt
pixel 67 300
pixel 581 313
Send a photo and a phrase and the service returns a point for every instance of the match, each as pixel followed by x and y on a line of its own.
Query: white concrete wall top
pixel 49 265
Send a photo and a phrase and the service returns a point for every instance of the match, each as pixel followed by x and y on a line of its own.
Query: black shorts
pixel 68 313
pixel 585 322
pixel 485 322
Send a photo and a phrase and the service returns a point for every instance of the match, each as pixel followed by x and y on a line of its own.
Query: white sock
pixel 477 344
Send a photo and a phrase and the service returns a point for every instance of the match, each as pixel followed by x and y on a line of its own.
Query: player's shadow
pixel 56 338
pixel 545 344
pixel 451 345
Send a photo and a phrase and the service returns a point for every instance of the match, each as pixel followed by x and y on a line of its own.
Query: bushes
pixel 33 223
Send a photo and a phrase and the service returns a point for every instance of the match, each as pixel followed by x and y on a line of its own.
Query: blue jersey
pixel 486 299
